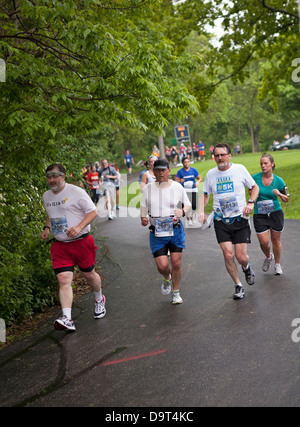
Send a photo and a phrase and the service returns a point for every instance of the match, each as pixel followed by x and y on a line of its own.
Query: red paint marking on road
pixel 133 358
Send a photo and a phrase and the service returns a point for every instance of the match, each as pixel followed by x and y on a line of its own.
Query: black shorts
pixel 237 232
pixel 263 222
pixel 164 251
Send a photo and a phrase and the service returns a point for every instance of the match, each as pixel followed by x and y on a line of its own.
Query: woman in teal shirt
pixel 268 216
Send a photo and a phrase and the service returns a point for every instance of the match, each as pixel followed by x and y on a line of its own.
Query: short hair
pixel 223 145
pixel 58 166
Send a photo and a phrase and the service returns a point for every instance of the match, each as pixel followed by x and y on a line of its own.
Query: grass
pixel 287 167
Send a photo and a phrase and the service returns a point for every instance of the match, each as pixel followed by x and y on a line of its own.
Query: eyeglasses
pixel 221 155
pixel 54 174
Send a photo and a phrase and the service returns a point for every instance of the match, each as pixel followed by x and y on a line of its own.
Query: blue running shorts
pixel 178 240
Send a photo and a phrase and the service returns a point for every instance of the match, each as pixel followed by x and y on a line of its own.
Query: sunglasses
pixel 54 174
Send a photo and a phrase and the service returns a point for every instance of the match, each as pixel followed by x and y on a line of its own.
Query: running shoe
pixel 249 275
pixel 267 263
pixel 100 310
pixel 64 324
pixel 110 216
pixel 278 269
pixel 176 298
pixel 166 286
pixel 239 292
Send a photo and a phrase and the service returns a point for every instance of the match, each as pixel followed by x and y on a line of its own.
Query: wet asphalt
pixel 210 351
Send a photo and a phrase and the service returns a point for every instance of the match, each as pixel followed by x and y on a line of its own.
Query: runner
pixel 94 183
pixel 160 201
pixel 227 184
pixel 268 216
pixel 109 175
pixel 148 176
pixel 187 177
pixel 69 214
pixel 128 161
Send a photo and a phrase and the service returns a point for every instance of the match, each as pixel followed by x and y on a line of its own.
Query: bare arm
pixel 204 199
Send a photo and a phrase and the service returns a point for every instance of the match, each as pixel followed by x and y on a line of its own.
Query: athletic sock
pixel 98 296
pixel 67 312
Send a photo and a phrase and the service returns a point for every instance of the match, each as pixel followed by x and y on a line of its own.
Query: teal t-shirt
pixel 267 201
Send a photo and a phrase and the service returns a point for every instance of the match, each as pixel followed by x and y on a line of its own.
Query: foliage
pixel 75 70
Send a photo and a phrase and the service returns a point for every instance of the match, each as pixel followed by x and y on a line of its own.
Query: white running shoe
pixel 239 292
pixel 64 324
pixel 267 263
pixel 176 298
pixel 278 269
pixel 166 286
pixel 100 310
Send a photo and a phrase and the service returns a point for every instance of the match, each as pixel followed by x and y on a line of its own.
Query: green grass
pixel 287 167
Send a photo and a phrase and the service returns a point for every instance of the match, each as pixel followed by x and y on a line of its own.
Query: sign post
pixel 182 135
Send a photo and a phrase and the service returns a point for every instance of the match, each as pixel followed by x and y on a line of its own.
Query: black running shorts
pixel 237 232
pixel 263 222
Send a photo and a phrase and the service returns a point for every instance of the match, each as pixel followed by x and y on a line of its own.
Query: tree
pixel 251 30
pixel 73 68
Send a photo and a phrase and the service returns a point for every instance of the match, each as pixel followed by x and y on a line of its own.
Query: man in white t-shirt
pixel 70 212
pixel 227 184
pixel 159 208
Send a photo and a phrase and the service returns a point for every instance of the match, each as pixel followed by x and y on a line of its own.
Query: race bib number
pixel 265 207
pixel 229 206
pixel 164 227
pixel 59 225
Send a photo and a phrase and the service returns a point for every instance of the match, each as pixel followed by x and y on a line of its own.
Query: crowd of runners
pixel 70 211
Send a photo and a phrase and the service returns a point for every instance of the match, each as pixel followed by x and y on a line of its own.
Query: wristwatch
pixel 46 226
pixel 250 201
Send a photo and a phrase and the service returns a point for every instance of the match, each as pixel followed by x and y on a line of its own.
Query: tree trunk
pixel 161 146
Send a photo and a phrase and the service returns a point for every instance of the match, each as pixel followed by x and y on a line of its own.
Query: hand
pixel 202 217
pixel 144 221
pixel 276 192
pixel 248 209
pixel 45 234
pixel 178 213
pixel 73 232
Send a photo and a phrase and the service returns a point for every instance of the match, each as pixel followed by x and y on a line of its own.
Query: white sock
pixel 67 312
pixel 98 295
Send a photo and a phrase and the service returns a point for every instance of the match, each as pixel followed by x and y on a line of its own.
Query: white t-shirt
pixel 67 209
pixel 228 189
pixel 162 201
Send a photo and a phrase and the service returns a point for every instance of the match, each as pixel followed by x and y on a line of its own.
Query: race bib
pixel 188 184
pixel 229 206
pixel 265 207
pixel 59 225
pixel 164 227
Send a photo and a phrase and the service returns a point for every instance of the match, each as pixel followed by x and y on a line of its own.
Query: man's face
pixel 56 180
pixel 222 158
pixel 162 175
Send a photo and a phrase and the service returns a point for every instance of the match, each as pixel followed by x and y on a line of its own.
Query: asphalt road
pixel 146 352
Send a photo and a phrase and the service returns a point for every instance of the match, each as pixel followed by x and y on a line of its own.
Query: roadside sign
pixel 182 133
